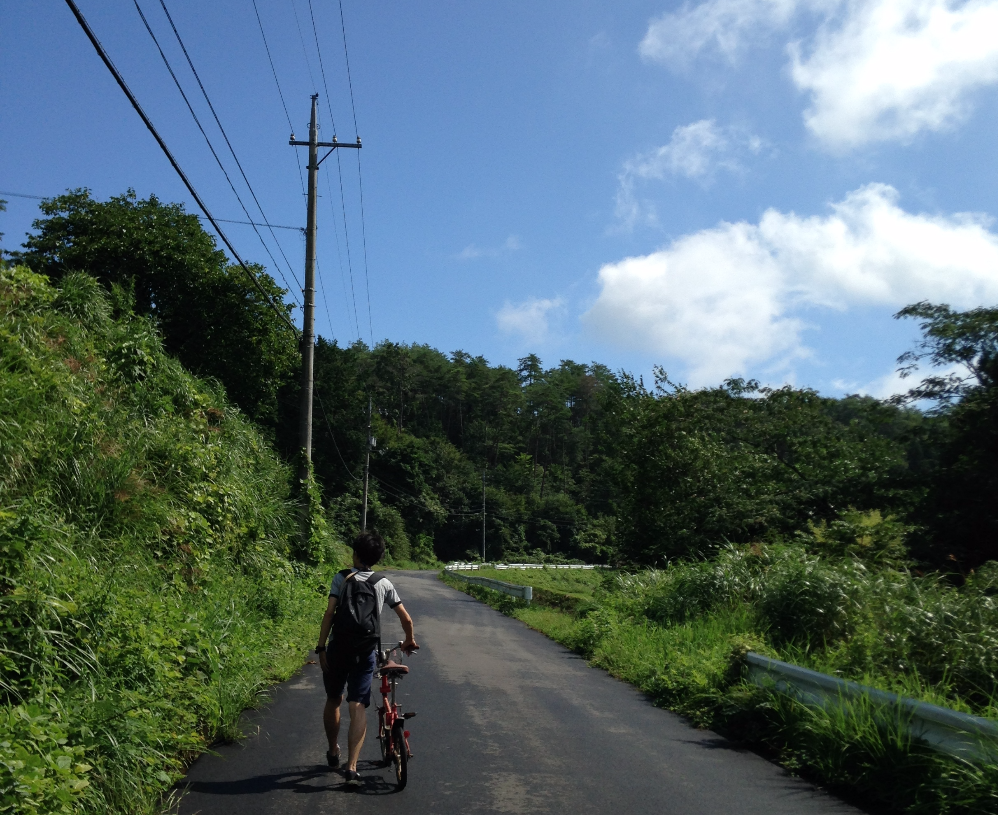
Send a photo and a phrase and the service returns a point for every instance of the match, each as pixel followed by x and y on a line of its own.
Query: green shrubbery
pixel 147 592
pixel 885 626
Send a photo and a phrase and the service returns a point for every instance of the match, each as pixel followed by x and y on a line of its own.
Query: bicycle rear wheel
pixel 400 756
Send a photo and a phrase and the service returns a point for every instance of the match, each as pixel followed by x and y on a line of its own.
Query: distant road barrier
pixel 470 567
pixel 946 731
pixel 512 589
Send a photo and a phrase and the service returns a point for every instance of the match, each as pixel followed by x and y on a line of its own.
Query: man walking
pixel 354 616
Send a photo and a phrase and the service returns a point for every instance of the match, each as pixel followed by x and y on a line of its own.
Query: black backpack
pixel 357 623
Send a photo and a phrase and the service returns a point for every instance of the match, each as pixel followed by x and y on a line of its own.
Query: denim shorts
pixel 351 669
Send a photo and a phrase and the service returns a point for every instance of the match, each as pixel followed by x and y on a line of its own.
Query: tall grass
pixel 882 625
pixel 147 588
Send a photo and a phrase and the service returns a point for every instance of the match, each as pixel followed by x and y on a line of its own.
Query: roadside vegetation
pixel 152 578
pixel 680 635
pixel 149 584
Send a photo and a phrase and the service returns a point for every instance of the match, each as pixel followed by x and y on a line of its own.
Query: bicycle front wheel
pixel 400 756
pixel 383 738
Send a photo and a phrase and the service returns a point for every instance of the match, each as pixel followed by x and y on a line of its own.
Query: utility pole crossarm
pixel 333 144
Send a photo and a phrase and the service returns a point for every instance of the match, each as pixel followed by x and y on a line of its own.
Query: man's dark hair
pixel 370 547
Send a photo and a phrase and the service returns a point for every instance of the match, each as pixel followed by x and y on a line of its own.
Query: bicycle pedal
pixel 408 715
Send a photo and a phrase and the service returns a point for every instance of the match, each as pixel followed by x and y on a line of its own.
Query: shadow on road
pixel 296 780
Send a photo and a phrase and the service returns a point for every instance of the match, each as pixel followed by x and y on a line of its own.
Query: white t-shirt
pixel 383 589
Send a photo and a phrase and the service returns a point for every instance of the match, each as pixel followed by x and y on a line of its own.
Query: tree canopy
pixel 576 460
pixel 159 259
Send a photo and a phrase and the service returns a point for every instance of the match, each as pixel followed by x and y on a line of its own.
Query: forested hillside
pixel 578 461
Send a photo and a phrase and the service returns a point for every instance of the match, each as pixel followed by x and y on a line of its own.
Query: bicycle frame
pixel 388 712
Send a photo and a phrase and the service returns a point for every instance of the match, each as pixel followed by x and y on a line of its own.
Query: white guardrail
pixel 471 567
pixel 946 731
pixel 512 589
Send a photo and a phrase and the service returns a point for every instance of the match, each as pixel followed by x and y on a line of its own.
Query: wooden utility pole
pixel 483 516
pixel 367 465
pixel 308 326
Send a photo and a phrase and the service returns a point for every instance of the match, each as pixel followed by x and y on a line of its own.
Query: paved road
pixel 509 722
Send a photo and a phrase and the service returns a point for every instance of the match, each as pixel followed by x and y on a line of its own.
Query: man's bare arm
pixel 410 638
pixel 327 622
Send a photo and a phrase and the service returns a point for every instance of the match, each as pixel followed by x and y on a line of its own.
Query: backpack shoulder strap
pixel 372 581
pixel 346 574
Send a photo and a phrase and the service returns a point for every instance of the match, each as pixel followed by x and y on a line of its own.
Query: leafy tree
pixel 959 515
pixel 740 463
pixel 211 316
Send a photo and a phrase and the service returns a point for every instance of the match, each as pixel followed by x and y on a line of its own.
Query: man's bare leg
pixel 357 732
pixel 331 721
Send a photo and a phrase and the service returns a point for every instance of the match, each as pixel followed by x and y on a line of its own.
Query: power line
pixel 304 50
pixel 253 223
pixel 346 55
pixel 211 147
pixel 333 436
pixel 363 235
pixel 173 162
pixel 220 220
pixel 325 302
pixel 272 68
pixel 225 136
pixel 322 69
pixel 280 93
pixel 360 176
pixel 339 258
pixel 25 195
pixel 346 238
pixel 339 166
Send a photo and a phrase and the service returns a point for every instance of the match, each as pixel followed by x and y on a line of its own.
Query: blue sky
pixel 729 188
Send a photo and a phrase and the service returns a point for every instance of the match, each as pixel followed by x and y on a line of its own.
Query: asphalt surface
pixel 509 722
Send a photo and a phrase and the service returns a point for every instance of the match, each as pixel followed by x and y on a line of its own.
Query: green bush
pixel 147 595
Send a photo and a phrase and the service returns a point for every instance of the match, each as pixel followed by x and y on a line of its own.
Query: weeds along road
pixel 509 721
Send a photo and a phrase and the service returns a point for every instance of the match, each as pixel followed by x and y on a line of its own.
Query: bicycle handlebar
pixel 390 651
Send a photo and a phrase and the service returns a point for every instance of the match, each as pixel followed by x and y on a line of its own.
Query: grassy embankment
pixel 148 591
pixel 679 635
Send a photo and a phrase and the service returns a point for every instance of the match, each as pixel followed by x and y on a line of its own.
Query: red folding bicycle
pixel 392 735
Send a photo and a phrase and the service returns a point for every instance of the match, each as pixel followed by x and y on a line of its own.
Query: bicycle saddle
pixel 392 667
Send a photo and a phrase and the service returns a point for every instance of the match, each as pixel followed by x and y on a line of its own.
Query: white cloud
pixel 894 68
pixel 473 252
pixel 893 384
pixel 695 151
pixel 727 299
pixel 883 387
pixel 875 70
pixel 676 37
pixel 529 319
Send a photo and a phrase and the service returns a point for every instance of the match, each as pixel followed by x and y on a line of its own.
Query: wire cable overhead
pixel 211 147
pixel 173 162
pixel 360 175
pixel 339 169
pixel 273 70
pixel 225 135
